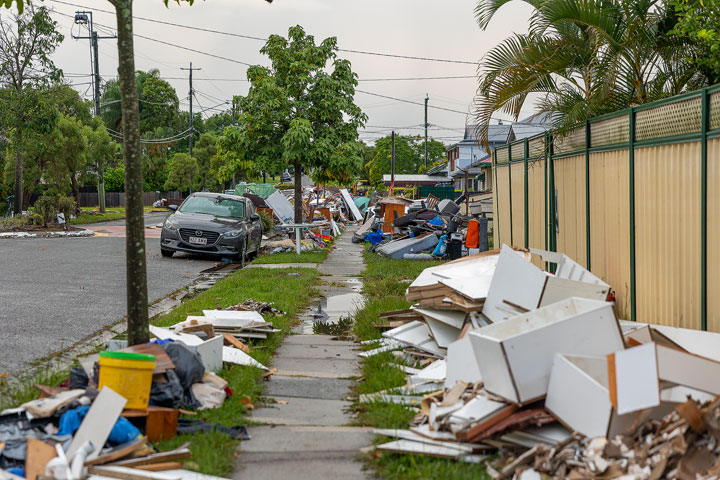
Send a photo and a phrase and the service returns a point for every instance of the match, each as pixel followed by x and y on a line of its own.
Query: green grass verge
pixel 316 256
pixel 291 291
pixel 93 215
pixel 384 284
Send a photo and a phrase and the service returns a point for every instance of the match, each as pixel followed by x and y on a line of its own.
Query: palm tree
pixel 585 58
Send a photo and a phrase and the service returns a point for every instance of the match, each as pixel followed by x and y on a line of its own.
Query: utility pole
pixel 192 129
pixel 427 99
pixel 85 18
pixel 392 164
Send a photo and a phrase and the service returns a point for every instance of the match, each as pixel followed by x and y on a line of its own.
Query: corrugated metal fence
pixel 635 196
pixel 115 199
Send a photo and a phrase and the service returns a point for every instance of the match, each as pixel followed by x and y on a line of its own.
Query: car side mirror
pixel 173 207
pixel 254 216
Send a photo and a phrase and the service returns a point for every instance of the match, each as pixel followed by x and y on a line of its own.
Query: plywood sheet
pixel 98 422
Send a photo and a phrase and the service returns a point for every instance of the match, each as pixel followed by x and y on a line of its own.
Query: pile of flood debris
pixel 325 209
pixel 103 420
pixel 423 229
pixel 534 368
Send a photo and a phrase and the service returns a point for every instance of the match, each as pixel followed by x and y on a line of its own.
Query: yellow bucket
pixel 129 374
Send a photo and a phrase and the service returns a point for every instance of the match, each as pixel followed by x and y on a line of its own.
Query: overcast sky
pixel 444 29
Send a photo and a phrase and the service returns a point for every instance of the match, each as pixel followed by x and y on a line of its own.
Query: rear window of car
pixel 218 206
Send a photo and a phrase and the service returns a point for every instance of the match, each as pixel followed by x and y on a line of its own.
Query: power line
pixel 410 101
pixel 250 37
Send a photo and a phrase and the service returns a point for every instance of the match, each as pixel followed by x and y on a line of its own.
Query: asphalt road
pixel 55 292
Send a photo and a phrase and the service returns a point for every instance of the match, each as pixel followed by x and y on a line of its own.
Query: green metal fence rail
pixel 690 117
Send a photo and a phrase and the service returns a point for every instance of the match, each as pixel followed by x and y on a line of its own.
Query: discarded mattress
pixel 398 248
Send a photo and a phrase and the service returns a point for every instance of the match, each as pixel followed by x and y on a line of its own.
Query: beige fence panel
pixel 518 204
pixel 610 224
pixel 713 233
pixel 536 207
pixel 667 234
pixel 570 185
pixel 501 228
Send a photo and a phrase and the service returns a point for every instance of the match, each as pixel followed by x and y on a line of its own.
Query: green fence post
pixel 553 232
pixel 509 167
pixel 527 213
pixel 545 186
pixel 496 189
pixel 631 166
pixel 587 192
pixel 703 209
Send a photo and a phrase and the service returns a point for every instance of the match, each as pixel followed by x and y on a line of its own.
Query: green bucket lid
pixel 143 357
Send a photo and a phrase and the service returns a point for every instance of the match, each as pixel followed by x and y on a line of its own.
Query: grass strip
pixel 93 215
pixel 314 256
pixel 384 284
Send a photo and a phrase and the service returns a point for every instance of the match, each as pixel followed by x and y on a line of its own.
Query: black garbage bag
pixel 78 378
pixel 167 394
pixel 188 365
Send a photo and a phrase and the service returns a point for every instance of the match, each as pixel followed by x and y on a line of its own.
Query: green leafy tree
pixel 183 172
pixel 699 20
pixel 204 151
pixel 101 151
pixel 115 179
pixel 27 41
pixel 298 113
pixel 159 106
pixel 71 152
pixel 217 122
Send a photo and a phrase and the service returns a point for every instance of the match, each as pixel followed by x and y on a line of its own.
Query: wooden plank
pixel 98 422
pixel 124 473
pixel 162 360
pixel 232 341
pixel 38 455
pixel 121 451
pixel 160 467
pixel 162 457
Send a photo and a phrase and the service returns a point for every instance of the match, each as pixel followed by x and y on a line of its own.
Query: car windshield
pixel 218 206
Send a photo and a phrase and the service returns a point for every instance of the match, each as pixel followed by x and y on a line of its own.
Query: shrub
pixel 66 206
pixel 46 207
pixel 33 219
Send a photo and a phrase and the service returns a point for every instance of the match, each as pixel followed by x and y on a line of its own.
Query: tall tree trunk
pixel 76 191
pixel 298 193
pixel 101 190
pixel 17 207
pixel 137 297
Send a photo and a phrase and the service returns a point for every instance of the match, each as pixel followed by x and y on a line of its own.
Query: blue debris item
pixel 374 237
pixel 436 222
pixel 122 432
pixel 19 471
pixel 157 341
pixel 441 246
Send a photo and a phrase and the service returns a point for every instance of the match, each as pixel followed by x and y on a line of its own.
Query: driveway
pixel 55 292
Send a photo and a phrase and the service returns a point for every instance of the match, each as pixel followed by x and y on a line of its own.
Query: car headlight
pixel 169 224
pixel 233 233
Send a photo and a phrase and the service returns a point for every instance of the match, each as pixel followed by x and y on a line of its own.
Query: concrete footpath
pixel 305 432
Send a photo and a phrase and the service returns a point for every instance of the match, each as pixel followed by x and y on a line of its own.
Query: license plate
pixel 198 240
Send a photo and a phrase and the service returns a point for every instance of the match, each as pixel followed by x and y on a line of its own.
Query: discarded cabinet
pixel 516 355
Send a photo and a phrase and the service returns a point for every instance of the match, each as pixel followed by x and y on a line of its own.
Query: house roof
pixel 414 179
pixel 472 172
pixel 525 131
pixel 496 133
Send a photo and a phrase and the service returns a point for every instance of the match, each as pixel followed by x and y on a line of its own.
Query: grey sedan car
pixel 213 224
